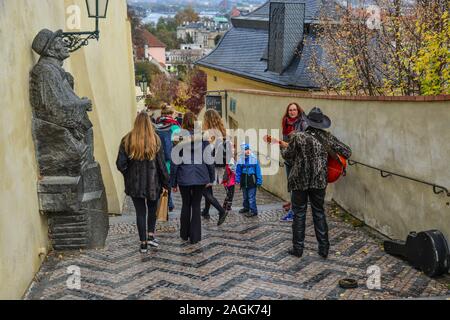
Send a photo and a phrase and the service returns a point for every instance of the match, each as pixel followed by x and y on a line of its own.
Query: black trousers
pixel 229 198
pixel 211 200
pixel 191 227
pixel 145 221
pixel 299 206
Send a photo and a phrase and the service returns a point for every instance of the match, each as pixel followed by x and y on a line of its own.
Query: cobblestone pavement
pixel 246 258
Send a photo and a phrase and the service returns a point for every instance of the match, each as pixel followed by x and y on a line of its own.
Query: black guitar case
pixel 427 251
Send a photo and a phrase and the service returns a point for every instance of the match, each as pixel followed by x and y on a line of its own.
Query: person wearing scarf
pixel 294 120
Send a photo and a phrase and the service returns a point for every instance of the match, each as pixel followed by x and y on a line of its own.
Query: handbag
pixel 163 208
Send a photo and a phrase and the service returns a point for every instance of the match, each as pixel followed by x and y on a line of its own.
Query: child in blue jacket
pixel 248 175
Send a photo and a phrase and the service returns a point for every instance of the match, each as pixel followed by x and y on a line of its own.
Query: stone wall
pixel 104 72
pixel 409 136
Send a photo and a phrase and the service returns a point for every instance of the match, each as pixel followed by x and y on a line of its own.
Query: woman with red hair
pixel 294 120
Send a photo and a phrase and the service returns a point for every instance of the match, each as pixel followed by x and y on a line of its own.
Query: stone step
pixel 66 247
pixel 62 236
pixel 69 228
pixel 65 220
pixel 70 242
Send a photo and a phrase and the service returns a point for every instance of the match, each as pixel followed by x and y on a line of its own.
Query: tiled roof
pixel 243 51
pixel 151 40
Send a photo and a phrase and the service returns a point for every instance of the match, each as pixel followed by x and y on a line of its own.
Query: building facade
pixel 104 72
pixel 150 48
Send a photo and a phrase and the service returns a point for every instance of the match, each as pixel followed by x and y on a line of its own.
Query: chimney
pixel 286 25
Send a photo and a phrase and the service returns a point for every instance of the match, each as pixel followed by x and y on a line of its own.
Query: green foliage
pixel 146 68
pixel 433 59
pixel 166 31
pixel 408 55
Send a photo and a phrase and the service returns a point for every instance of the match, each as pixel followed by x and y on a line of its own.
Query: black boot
pixel 321 229
pixel 299 207
pixel 317 198
pixel 298 231
pixel 323 252
pixel 295 253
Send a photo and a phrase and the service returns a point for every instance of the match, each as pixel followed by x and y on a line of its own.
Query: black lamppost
pixel 143 84
pixel 97 9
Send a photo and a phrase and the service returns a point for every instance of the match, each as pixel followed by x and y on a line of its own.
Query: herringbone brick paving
pixel 246 258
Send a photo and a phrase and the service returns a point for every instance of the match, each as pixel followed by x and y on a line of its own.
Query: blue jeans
pixel 250 199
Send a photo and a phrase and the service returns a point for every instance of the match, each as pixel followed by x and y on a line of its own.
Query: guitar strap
pixel 333 154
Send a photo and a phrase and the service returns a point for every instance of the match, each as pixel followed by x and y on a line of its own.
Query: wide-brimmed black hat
pixel 317 119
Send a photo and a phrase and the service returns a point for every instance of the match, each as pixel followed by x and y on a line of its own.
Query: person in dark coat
pixel 166 128
pixel 141 161
pixel 191 173
pixel 308 154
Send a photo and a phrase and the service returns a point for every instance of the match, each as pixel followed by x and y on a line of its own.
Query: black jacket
pixel 143 179
pixel 309 158
pixel 190 167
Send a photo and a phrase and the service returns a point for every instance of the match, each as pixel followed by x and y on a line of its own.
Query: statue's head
pixel 51 44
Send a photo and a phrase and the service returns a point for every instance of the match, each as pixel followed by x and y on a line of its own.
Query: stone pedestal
pixel 76 208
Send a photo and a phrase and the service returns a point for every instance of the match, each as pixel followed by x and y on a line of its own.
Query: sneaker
pixel 244 210
pixel 153 242
pixel 289 217
pixel 251 214
pixel 144 248
pixel 222 218
pixel 206 215
pixel 287 206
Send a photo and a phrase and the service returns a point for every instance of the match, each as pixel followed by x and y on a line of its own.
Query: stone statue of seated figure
pixel 70 189
pixel 61 124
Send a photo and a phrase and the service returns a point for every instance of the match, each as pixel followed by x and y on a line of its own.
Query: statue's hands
pixel 87 103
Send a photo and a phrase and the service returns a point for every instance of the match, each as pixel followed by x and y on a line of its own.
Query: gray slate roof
pixel 312 8
pixel 242 48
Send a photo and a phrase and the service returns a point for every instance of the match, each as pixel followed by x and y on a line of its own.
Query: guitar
pixel 336 168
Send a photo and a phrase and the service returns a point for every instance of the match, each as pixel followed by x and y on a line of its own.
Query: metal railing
pixel 437 189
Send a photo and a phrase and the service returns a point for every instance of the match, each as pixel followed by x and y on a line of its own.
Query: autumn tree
pixel 407 53
pixel 196 81
pixel 186 15
pixel 163 89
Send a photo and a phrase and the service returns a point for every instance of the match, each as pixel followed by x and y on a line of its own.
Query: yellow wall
pixel 104 72
pixel 406 137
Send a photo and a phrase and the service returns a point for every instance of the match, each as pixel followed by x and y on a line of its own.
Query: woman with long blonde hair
pixel 141 161
pixel 214 131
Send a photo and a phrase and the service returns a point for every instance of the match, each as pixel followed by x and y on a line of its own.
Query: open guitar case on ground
pixel 427 251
